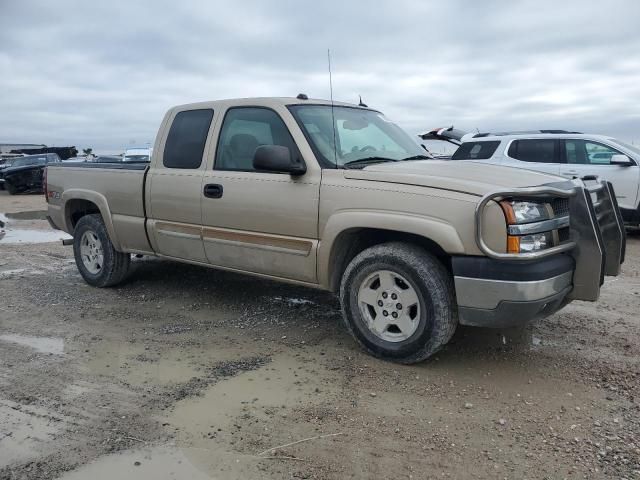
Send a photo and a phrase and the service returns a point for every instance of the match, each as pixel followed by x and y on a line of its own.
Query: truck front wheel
pixel 98 262
pixel 398 302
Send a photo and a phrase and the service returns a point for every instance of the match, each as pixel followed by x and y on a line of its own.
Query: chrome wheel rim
pixel 389 305
pixel 91 252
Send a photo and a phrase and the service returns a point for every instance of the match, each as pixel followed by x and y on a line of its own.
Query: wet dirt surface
pixel 185 372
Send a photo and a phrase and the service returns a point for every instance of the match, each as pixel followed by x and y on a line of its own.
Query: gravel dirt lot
pixel 185 372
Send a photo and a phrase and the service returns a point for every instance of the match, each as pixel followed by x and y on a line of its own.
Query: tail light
pixel 44 185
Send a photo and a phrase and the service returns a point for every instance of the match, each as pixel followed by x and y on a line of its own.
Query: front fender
pixel 434 229
pixel 96 198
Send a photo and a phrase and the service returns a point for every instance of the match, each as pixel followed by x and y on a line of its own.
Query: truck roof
pixel 264 102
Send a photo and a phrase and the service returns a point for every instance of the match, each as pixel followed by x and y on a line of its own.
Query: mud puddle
pixel 26 431
pixel 157 463
pixel 248 408
pixel 28 229
pixel 51 345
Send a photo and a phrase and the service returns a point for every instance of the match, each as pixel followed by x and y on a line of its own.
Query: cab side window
pixel 590 153
pixel 540 150
pixel 186 139
pixel 244 130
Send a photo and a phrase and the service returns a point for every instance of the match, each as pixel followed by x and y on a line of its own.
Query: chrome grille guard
pixel 597 239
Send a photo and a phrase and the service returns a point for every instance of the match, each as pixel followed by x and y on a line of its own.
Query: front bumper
pixel 497 293
pixel 507 289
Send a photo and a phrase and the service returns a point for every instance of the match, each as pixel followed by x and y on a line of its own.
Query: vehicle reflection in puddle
pixel 28 231
pixel 51 345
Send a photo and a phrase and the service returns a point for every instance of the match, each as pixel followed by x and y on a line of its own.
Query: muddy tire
pixel 398 302
pixel 98 262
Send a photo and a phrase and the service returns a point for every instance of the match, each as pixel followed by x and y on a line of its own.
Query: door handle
pixel 570 172
pixel 213 190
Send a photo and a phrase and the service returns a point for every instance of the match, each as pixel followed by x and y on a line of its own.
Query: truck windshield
pixel 360 135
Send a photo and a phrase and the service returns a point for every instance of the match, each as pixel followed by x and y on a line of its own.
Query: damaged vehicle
pixel 337 197
pixel 25 174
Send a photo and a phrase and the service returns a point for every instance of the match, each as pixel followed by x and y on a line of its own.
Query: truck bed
pixel 117 189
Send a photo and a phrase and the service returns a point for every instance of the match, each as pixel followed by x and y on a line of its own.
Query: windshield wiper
pixel 418 157
pixel 367 161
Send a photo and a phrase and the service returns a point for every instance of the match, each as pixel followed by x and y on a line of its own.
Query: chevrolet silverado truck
pixel 337 197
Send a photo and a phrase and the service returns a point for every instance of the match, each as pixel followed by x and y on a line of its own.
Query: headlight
pixel 529 225
pixel 524 212
pixel 537 241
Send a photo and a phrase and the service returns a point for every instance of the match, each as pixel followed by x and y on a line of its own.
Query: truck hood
pixel 475 178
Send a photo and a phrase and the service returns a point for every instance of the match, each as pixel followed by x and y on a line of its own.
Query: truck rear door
pixel 174 185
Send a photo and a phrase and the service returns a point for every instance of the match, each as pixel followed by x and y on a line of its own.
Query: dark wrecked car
pixel 25 173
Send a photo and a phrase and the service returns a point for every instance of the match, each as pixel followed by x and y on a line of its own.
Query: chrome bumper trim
pixel 488 294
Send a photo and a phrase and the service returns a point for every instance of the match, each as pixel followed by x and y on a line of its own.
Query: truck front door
pixel 174 186
pixel 254 221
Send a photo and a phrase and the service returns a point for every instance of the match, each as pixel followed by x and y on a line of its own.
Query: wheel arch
pixel 347 236
pixel 78 203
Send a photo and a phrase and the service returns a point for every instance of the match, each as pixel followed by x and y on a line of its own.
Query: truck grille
pixel 560 207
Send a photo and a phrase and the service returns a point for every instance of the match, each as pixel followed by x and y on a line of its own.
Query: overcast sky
pixel 102 74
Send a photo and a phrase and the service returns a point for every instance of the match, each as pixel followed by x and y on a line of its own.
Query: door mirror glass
pixel 620 160
pixel 277 158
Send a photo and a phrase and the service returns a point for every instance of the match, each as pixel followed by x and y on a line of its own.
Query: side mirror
pixel 621 160
pixel 276 158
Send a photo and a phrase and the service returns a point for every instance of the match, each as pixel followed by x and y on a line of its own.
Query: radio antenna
pixel 333 118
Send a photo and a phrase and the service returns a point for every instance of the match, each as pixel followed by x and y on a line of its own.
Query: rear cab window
pixel 475 150
pixel 186 140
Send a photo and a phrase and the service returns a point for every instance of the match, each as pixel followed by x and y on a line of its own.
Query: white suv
pixel 568 154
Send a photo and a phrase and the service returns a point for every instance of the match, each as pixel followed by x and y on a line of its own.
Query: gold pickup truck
pixel 337 197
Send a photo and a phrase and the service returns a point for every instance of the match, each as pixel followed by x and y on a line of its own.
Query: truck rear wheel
pixel 98 262
pixel 398 302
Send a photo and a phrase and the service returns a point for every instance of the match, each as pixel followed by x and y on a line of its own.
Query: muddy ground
pixel 185 372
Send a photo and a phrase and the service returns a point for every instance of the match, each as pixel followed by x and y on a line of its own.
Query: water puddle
pixel 157 463
pixel 292 301
pixel 204 425
pixel 28 229
pixel 26 431
pixel 51 345
pixel 139 366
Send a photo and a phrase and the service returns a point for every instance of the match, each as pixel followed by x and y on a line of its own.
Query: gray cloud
pixel 102 74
